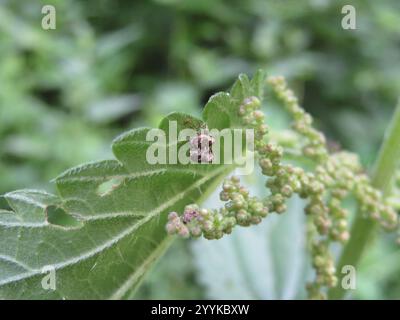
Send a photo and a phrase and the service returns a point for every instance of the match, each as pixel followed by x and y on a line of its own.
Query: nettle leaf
pixel 218 112
pixel 105 228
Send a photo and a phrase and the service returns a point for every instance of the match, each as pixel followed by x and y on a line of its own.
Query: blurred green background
pixel 112 65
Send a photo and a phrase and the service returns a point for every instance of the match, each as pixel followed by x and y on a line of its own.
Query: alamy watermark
pixel 49 280
pixel 349 278
pixel 49 20
pixel 349 18
pixel 203 146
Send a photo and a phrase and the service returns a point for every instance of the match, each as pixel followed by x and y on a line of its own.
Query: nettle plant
pixel 112 219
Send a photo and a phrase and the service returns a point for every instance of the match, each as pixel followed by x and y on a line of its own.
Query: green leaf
pixel 105 228
pixel 220 111
pixel 220 102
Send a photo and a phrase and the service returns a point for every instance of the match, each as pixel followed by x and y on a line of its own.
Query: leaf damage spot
pixel 109 186
pixel 57 216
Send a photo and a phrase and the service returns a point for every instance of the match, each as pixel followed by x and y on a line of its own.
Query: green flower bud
pixel 255 219
pixel 224 196
pixel 287 191
pixel 280 208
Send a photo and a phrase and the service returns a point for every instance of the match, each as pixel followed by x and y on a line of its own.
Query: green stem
pixel 362 228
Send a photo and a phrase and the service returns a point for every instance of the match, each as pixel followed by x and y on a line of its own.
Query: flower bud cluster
pixel 334 177
pixel 253 117
pixel 314 146
pixel 324 265
pixel 344 176
pixel 283 180
pixel 240 209
pixel 374 206
pixel 337 177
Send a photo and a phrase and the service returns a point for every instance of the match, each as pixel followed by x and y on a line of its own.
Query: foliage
pixel 109 216
pixel 116 64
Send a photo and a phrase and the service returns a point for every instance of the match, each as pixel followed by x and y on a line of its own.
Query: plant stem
pixel 362 228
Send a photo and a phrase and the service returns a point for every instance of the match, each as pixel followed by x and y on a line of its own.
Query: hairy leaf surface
pixel 105 227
